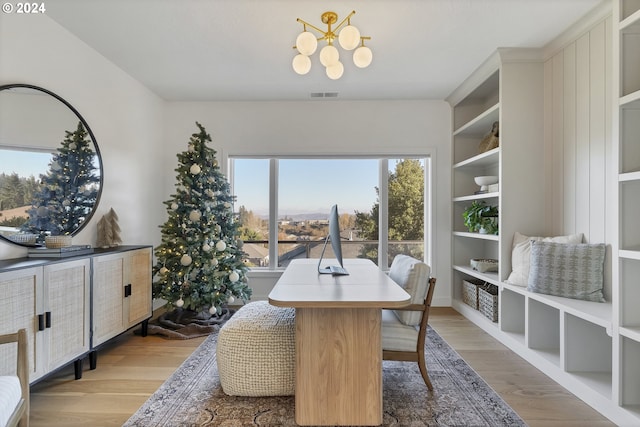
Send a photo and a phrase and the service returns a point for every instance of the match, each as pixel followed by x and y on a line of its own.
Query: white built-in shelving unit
pixel 577 343
pixel 626 259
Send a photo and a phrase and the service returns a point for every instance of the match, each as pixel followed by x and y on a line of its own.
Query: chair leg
pixel 423 370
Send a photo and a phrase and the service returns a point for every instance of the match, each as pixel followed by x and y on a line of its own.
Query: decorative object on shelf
pixel 491 140
pixel 481 218
pixel 485 181
pixel 484 265
pixel 570 270
pixel 488 301
pixel 189 274
pixel 349 38
pixel 53 242
pixel 24 239
pixel 62 252
pixel 108 230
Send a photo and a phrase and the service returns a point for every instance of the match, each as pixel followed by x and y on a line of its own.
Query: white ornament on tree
pixel 206 247
pixel 195 169
pixel 180 303
pixel 231 299
pixel 163 270
pixel 185 260
pixel 195 215
pixel 213 310
pixel 234 277
pixel 221 246
pixel 174 206
pixel 214 262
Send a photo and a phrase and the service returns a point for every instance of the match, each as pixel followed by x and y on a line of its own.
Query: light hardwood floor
pixel 130 368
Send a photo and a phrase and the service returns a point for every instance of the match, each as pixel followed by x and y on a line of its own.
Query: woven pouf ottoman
pixel 256 351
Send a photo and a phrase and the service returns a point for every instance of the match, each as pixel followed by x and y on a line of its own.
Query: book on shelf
pixel 66 251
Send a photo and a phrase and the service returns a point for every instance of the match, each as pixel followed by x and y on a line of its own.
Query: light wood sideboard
pixel 70 306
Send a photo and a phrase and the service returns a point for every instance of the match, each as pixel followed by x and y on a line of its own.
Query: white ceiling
pixel 242 49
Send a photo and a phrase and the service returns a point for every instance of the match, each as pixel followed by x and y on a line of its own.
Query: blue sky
pixel 24 163
pixel 308 186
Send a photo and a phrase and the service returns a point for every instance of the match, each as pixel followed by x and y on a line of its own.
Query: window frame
pixel 383 185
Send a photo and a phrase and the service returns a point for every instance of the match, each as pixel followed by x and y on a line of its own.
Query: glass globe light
pixel 334 71
pixel 362 57
pixel 349 37
pixel 329 55
pixel 306 43
pixel 301 64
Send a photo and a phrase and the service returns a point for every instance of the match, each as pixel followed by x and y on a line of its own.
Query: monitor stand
pixel 332 269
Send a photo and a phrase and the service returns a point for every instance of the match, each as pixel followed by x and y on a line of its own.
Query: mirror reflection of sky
pixel 24 163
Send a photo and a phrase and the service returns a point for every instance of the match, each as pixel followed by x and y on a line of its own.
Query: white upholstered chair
pixel 14 389
pixel 404 329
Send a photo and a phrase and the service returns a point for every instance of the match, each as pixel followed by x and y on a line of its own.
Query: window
pixel 283 205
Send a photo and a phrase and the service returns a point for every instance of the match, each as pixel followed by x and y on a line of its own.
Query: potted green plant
pixel 481 218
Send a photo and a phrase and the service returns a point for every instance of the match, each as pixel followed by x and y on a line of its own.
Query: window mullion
pixel 273 214
pixel 383 220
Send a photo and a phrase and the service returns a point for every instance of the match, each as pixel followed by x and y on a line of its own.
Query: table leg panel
pixel 338 366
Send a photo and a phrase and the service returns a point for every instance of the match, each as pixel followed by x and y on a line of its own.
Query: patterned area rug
pixel 192 396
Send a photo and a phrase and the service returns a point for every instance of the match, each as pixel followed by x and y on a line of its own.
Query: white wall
pixel 326 128
pixel 124 116
pixel 578 146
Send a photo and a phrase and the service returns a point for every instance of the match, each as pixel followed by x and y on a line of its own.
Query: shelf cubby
pixel 477 105
pixel 630 58
pixel 588 354
pixel 512 314
pixel 629 11
pixel 490 277
pixel 630 373
pixel 464 182
pixel 629 145
pixel 543 330
pixel 629 208
pixel 630 292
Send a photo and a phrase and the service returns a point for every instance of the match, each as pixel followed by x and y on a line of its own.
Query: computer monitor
pixel 334 237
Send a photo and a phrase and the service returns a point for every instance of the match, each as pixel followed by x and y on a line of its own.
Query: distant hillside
pixel 10 213
pixel 305 216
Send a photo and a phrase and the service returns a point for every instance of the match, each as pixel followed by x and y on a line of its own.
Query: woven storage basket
pixel 55 242
pixel 470 292
pixel 488 301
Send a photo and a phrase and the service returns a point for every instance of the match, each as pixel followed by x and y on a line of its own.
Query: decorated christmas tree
pixel 200 263
pixel 68 190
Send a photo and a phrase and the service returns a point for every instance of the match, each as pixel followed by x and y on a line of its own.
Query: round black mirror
pixel 50 166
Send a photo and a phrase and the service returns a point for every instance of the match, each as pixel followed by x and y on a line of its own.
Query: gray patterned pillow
pixel 567 270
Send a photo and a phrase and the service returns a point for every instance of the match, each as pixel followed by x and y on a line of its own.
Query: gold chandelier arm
pixel 314 27
pixel 353 12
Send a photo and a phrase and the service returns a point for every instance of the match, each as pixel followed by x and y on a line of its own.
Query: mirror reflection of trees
pixel 68 190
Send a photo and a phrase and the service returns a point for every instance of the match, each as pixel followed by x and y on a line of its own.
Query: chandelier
pixel 348 37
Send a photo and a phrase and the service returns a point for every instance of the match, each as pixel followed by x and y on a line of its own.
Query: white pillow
pixel 521 251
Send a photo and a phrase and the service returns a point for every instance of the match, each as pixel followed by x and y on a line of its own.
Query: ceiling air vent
pixel 324 94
